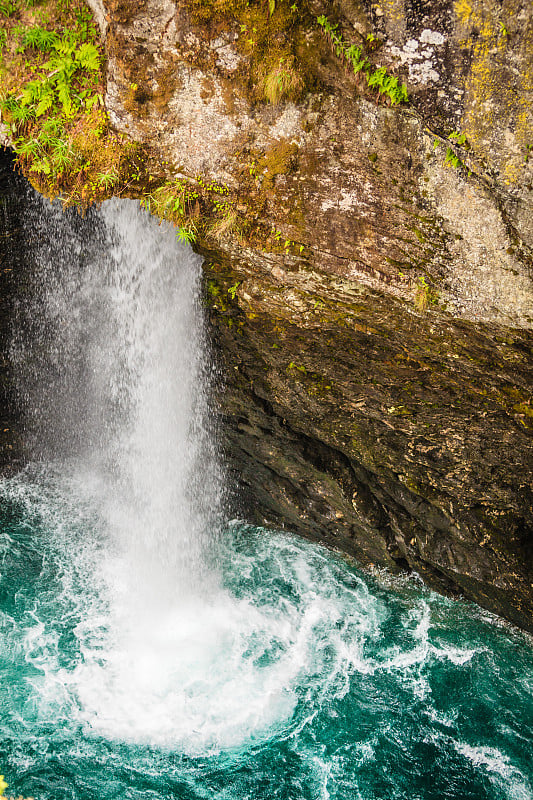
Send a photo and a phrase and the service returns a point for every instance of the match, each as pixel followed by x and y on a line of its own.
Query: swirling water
pixel 149 649
pixel 292 676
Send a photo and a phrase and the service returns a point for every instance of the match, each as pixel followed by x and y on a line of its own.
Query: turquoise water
pixel 286 672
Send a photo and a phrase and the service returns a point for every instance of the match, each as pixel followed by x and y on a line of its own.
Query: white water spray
pixel 117 391
pixel 120 381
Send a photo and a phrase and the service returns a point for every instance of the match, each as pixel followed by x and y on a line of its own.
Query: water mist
pixel 111 357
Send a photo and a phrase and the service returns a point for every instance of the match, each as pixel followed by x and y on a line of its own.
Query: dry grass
pixel 280 80
pixel 225 227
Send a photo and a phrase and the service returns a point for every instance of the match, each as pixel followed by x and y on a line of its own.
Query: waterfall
pixel 111 360
pixel 112 363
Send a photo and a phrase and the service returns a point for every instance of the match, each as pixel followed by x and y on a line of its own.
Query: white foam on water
pixel 187 681
pixel 502 772
pixel 201 674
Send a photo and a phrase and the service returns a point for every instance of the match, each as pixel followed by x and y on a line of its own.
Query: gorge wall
pixel 370 289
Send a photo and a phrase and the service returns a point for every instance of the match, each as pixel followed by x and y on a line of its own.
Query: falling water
pixel 150 650
pixel 111 358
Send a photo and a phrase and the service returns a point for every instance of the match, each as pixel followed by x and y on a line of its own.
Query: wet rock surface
pixel 400 437
pixel 12 270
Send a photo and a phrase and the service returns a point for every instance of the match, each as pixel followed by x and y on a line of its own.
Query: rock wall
pixel 363 187
pixel 373 317
pixel 402 438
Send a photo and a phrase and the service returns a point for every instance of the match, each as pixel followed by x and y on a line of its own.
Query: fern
pixel 379 79
pixel 55 79
pixel 31 93
pixel 39 38
pixel 375 79
pixel 458 138
pixel 453 159
pixel 63 95
pixel 88 57
pixel 45 103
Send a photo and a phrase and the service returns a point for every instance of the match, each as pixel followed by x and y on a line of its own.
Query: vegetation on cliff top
pixel 52 108
pixel 52 104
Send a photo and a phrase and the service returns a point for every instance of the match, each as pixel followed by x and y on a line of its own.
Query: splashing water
pixel 147 650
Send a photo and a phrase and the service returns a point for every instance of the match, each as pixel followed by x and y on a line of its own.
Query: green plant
pixel 108 179
pixel 39 38
pixel 424 294
pixel 387 86
pixel 65 85
pixel 187 233
pixel 281 80
pixel 333 35
pixel 51 100
pixel 451 158
pixel 299 367
pixel 232 291
pixel 7 7
pixel 225 224
pixel 458 138
pixel 272 7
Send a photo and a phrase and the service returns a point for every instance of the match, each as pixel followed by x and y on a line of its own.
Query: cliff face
pixel 373 320
pixel 365 188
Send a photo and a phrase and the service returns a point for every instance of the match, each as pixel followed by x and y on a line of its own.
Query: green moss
pixel 280 159
pixel 269 41
pixel 524 408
